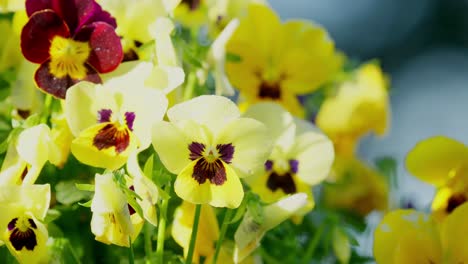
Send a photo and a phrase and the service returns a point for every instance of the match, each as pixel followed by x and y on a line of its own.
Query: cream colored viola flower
pixel 443 163
pixel 113 222
pixel 25 97
pixel 209 146
pixel 109 123
pixel 302 156
pixel 22 231
pixel 360 105
pixel 250 233
pixel 11 5
pixel 208 229
pixel 408 236
pixel 27 154
pixel 279 61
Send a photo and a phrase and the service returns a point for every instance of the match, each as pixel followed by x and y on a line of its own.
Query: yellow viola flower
pixel 353 185
pixel 208 229
pixel 209 146
pixel 10 50
pixel 408 236
pixel 302 156
pixel 113 220
pixel 226 256
pixel 443 163
pixel 62 136
pixel 192 13
pixel 109 123
pixel 279 61
pixel 23 208
pixel 360 105
pixel 249 233
pixel 25 97
pixel 27 155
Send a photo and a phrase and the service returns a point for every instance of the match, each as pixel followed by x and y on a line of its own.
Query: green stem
pixel 227 218
pixel 190 87
pixel 131 256
pixel 193 237
pixel 161 230
pixel 313 244
pixel 46 109
pixel 148 244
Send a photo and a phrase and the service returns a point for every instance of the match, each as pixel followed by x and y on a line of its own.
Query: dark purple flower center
pixel 104 115
pixel 112 136
pixel 284 180
pixel 269 91
pixel 210 162
pixel 193 4
pixel 22 234
pixel 454 201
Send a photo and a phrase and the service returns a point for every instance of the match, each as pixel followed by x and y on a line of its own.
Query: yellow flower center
pixel 68 57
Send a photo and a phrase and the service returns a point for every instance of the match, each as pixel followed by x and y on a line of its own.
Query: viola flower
pixel 208 229
pixel 279 61
pixel 210 147
pixel 249 233
pixel 360 105
pixel 113 222
pixel 109 123
pixel 23 208
pixel 408 236
pixel 192 13
pixel 28 154
pixel 354 186
pixel 72 40
pixel 443 163
pixel 302 156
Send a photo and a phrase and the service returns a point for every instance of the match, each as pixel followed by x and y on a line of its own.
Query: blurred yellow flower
pixel 302 156
pixel 209 146
pixel 10 50
pixel 192 13
pixel 109 123
pixel 11 6
pixel 354 186
pixel 23 208
pixel 279 61
pixel 443 163
pixel 208 229
pixel 408 236
pixel 249 233
pixel 360 106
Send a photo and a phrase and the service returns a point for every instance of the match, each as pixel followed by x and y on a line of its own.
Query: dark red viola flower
pixel 72 40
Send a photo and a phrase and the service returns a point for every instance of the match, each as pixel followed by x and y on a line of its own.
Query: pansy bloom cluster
pixel 169 131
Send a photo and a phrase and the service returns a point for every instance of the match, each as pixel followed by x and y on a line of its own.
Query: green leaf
pixel 61 251
pixel 87 204
pixel 255 208
pixel 52 215
pixel 239 212
pixel 85 187
pixel 67 193
pixel 148 168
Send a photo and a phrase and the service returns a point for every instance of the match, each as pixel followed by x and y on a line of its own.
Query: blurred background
pixel 423 46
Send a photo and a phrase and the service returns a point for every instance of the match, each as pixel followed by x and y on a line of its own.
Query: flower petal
pixel 434 159
pixel 165 78
pixel 33 198
pixel 38 33
pixel 209 110
pixel 106 48
pixel 252 145
pixel 452 233
pixel 58 86
pixel 128 74
pixel 230 193
pixel 37 5
pixel 187 188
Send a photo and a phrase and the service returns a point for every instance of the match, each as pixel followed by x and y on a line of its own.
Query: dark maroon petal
pixel 213 171
pixel 111 136
pixel 58 86
pixel 129 119
pixel 106 49
pixel 226 152
pixel 72 11
pixel 23 239
pixel 104 115
pixel 38 33
pixel 284 182
pixel 196 150
pixel 37 5
pixel 100 15
pixel 268 165
pixel 293 165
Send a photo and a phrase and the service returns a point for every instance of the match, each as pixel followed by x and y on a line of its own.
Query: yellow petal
pixel 402 228
pixel 252 145
pixel 435 159
pixel 165 78
pixel 453 229
pixel 128 74
pixel 187 188
pixel 230 193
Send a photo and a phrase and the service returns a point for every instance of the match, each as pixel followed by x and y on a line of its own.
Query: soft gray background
pixel 423 45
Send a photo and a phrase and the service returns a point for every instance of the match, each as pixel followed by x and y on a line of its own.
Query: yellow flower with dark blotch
pixel 109 123
pixel 192 13
pixel 25 97
pixel 208 230
pixel 27 154
pixel 408 236
pixel 23 208
pixel 354 186
pixel 114 221
pixel 360 105
pixel 249 233
pixel 302 156
pixel 443 163
pixel 209 146
pixel 280 61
